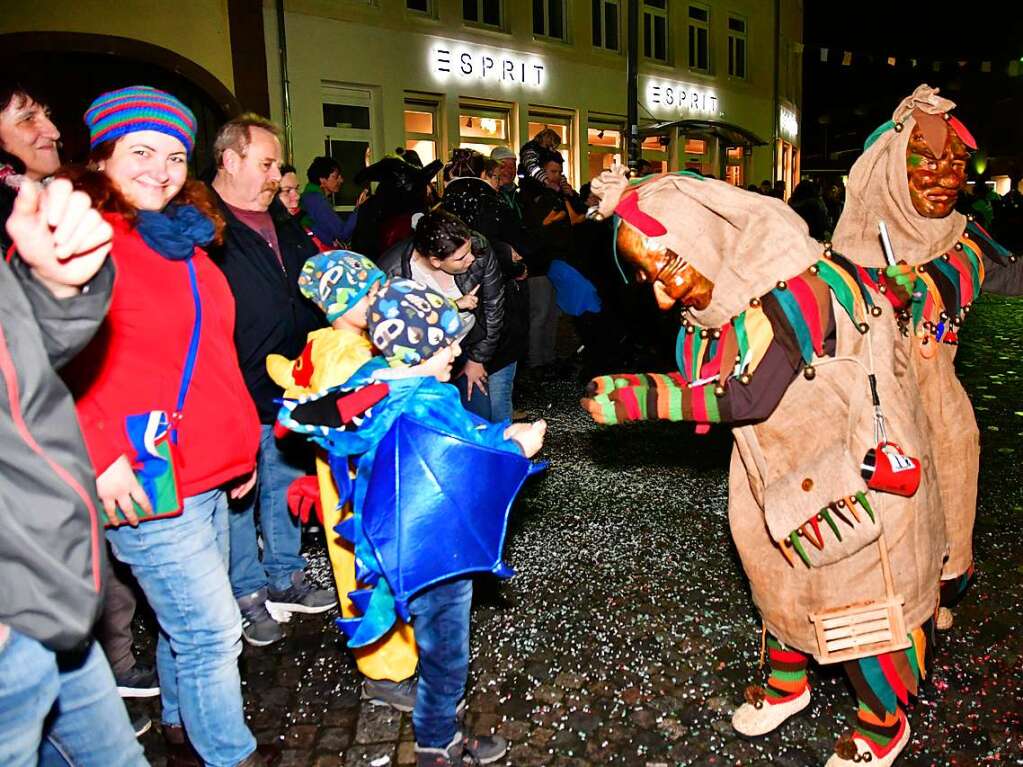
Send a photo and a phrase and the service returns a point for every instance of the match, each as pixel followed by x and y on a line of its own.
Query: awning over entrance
pixel 733 135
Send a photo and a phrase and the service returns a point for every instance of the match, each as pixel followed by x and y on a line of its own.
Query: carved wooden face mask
pixel 672 278
pixel 935 167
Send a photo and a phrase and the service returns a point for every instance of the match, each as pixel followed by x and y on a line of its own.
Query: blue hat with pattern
pixel 409 322
pixel 337 279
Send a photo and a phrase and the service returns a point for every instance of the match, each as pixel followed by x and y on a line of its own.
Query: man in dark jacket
pixel 55 684
pixel 262 255
pixel 445 254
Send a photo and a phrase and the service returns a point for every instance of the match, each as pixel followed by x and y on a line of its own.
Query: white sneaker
pixel 753 719
pixel 865 754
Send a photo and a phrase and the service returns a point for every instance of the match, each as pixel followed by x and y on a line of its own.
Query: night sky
pixel 856 99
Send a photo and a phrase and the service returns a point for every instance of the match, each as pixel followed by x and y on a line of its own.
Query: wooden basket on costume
pixel 866 628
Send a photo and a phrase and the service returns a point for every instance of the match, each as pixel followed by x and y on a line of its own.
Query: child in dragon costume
pixel 432 493
pixel 908 177
pixel 342 283
pixel 785 342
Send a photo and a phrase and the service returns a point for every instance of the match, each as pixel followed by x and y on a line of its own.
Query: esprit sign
pixel 467 63
pixel 680 99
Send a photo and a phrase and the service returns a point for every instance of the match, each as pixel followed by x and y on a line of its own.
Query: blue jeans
pixel 281 531
pixel 61 709
pixel 181 565
pixel 441 622
pixel 500 386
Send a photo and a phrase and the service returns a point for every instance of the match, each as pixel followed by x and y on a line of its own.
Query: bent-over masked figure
pixel 784 341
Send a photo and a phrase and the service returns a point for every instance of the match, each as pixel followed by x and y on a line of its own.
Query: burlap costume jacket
pixel 955 258
pixel 782 353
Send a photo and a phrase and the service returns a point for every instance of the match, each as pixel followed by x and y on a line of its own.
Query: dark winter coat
pixel 482 341
pixel 484 210
pixel 271 315
pixel 51 551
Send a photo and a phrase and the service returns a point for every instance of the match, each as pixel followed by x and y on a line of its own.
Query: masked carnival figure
pixel 833 500
pixel 931 264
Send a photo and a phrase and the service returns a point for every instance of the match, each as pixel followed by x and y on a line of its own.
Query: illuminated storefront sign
pixel 450 60
pixel 788 124
pixel 664 98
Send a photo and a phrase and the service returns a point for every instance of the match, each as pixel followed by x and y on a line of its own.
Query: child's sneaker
pixel 476 749
pixel 401 696
pixel 484 749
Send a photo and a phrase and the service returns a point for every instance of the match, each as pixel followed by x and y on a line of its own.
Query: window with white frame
pixel 655 30
pixel 483 128
pixel 348 134
pixel 604 142
pixel 737 47
pixel 606 25
pixel 421 128
pixel 560 123
pixel 699 38
pixel 549 19
pixel 486 13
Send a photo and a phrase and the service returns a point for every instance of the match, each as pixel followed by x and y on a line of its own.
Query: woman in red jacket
pixel 158 391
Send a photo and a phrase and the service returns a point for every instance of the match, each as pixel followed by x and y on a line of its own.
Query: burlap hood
pixel 744 242
pixel 878 191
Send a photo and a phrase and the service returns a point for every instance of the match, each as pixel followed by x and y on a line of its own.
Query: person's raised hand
pixel 469 301
pixel 59 235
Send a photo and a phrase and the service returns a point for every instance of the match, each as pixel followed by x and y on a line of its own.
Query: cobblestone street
pixel 628 634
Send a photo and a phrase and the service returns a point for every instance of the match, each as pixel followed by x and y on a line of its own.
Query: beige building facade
pixel 719 80
pixel 715 92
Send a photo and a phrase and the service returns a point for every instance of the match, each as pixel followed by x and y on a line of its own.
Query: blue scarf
pixel 176 231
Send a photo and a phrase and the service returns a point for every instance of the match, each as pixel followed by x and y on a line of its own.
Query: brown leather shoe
pixel 180 752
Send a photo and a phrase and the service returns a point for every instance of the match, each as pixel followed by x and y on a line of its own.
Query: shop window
pixel 562 125
pixel 695 146
pixel 655 29
pixel 735 166
pixel 737 47
pixel 549 18
pixel 786 168
pixel 347 125
pixel 487 13
pixel 346 116
pixel 699 38
pixel 605 24
pixel 604 146
pixel 424 7
pixel 421 132
pixel 483 129
pixel 655 151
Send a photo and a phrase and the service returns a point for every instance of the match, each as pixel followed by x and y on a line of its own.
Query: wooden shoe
pixel 856 750
pixel 757 716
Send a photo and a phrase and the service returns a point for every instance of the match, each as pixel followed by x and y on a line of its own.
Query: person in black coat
pixel 448 257
pixel 262 255
pixel 471 194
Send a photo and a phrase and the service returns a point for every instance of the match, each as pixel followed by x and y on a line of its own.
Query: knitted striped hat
pixel 135 108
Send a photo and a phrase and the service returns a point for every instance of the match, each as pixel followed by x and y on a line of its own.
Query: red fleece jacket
pixel 135 362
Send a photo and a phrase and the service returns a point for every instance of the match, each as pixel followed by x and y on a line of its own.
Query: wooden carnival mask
pixel 673 279
pixel 936 159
